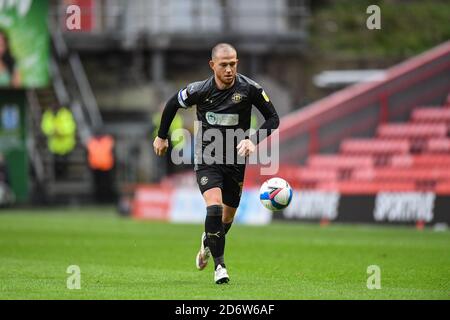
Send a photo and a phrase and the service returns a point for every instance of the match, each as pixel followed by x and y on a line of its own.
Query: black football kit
pixel 222 112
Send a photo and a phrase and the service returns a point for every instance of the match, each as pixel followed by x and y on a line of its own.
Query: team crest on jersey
pixel 204 180
pixel 236 98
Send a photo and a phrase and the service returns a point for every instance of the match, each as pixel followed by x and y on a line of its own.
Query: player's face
pixel 224 65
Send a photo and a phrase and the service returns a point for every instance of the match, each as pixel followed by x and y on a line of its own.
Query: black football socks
pixel 215 234
pixel 226 227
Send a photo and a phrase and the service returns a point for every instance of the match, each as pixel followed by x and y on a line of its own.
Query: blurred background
pixel 365 114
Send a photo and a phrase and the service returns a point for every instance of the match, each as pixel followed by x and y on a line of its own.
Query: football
pixel 275 194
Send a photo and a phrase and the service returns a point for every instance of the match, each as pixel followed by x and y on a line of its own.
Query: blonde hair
pixel 220 46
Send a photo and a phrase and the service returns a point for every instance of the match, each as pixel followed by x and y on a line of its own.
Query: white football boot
pixel 201 261
pixel 221 275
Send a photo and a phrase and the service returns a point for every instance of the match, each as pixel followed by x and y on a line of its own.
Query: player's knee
pixel 213 201
pixel 213 198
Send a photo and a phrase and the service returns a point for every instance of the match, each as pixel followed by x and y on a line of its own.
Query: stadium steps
pixel 412 131
pixel 69 188
pixel 375 146
pixel 431 115
pixel 340 161
pixel 76 183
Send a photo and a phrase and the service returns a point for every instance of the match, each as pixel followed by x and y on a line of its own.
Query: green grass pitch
pixel 124 259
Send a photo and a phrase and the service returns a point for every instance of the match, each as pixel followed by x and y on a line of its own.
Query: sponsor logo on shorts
pixel 204 180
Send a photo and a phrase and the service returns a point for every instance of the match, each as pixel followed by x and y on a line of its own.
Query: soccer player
pixel 224 102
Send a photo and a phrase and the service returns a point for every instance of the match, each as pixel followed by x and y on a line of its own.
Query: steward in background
pixel 100 151
pixel 60 128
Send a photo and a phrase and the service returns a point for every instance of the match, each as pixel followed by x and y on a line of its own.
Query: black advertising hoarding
pixel 385 207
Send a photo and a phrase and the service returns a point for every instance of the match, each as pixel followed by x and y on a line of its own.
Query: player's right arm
pixel 161 143
pixel 183 99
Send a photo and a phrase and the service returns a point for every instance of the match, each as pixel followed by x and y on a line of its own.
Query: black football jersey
pixel 224 110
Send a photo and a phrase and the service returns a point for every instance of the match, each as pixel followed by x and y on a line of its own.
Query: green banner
pixel 13 140
pixel 24 43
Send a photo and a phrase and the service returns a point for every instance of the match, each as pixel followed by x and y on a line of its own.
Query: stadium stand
pixel 387 162
pixel 340 161
pixel 412 130
pixel 431 115
pixel 374 146
pixel 439 145
pixel 386 135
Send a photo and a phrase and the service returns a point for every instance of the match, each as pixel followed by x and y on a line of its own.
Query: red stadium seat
pixel 435 115
pixel 412 130
pixel 340 161
pixel 443 188
pixel 305 174
pixel 423 160
pixel 402 160
pixel 438 145
pixel 375 146
pixel 402 174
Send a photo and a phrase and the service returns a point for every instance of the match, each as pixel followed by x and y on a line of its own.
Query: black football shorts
pixel 229 178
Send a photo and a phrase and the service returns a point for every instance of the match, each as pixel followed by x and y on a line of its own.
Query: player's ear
pixel 211 64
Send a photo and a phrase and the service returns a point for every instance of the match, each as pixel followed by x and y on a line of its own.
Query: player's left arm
pixel 262 102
